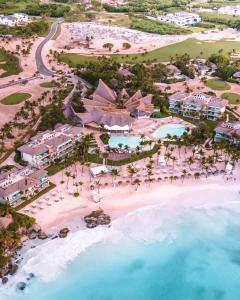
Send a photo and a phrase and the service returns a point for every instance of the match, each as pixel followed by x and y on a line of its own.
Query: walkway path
pixel 41 67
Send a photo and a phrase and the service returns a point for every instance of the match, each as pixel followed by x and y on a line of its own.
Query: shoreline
pixel 120 201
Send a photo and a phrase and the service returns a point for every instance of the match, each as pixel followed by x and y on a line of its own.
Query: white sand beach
pixel 118 201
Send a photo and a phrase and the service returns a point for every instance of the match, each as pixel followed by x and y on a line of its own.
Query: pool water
pixel 131 141
pixel 172 129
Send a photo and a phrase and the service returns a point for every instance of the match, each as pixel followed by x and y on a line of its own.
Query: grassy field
pixel 191 46
pixel 9 63
pixel 232 98
pixel 48 84
pixel 15 98
pixel 217 85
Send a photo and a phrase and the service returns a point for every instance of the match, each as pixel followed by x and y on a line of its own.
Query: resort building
pixel 114 112
pixel 48 146
pixel 18 184
pixel 228 132
pixel 197 105
pixel 13 20
pixel 181 19
pixel 229 10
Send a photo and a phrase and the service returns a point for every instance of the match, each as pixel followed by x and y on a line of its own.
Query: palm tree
pixel 131 171
pixel 137 183
pixel 197 175
pixel 68 174
pixel 80 184
pixel 190 161
pixel 167 157
pixel 98 184
pixel 114 173
pixel 173 158
pixel 184 173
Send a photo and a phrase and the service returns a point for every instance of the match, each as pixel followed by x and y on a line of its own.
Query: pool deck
pixel 149 126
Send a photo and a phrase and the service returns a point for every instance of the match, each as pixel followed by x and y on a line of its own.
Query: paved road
pixel 41 67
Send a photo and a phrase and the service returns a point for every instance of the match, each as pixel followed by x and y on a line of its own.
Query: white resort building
pixel 13 20
pixel 48 146
pixel 19 183
pixel 229 10
pixel 181 19
pixel 114 111
pixel 197 105
pixel 229 132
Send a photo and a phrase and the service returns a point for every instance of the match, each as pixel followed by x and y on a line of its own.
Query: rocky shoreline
pixel 34 232
pixel 96 218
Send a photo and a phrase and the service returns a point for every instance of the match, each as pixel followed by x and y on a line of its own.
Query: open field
pixel 218 85
pixel 9 64
pixel 15 98
pixel 233 98
pixel 191 46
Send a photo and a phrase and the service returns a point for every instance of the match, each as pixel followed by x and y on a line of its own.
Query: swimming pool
pixel 131 141
pixel 172 129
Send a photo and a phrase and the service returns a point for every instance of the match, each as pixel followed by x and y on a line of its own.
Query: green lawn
pixel 48 84
pixel 15 98
pixel 232 98
pixel 9 63
pixel 217 85
pixel 191 46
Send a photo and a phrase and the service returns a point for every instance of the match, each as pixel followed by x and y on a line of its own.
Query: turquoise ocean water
pixel 193 254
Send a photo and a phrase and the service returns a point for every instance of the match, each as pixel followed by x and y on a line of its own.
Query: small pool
pixel 172 129
pixel 131 141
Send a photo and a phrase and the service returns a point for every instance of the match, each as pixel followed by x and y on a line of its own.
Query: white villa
pixel 181 19
pixel 229 10
pixel 13 20
pixel 45 147
pixel 197 105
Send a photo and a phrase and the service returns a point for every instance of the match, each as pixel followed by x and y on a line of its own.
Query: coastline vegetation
pixel 11 237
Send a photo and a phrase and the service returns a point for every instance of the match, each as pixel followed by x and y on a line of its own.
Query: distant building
pixel 229 132
pixel 49 145
pixel 181 19
pixel 114 111
pixel 197 105
pixel 13 20
pixel 229 10
pixel 17 184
